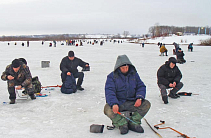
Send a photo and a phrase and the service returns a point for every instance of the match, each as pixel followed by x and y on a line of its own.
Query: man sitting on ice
pixel 169 76
pixel 18 74
pixel 180 56
pixel 125 91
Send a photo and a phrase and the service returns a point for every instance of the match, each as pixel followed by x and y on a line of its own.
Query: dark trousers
pixel 11 88
pixel 181 61
pixel 162 54
pixel 79 75
pixel 174 90
pixel 166 52
pixel 128 106
pixel 191 49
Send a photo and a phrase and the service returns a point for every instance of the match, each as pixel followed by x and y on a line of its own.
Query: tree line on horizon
pixel 164 30
pixel 57 37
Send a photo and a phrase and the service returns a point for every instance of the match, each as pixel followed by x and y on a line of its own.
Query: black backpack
pixel 36 84
pixel 35 81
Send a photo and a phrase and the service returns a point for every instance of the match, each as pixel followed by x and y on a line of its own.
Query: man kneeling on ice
pixel 125 91
pixel 18 74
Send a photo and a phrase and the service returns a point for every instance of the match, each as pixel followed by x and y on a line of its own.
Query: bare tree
pixel 152 31
pixel 158 30
pixel 126 33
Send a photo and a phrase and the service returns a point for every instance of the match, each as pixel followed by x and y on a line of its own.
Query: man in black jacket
pixel 180 56
pixel 169 76
pixel 69 65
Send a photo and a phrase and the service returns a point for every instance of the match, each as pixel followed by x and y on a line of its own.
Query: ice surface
pixel 70 116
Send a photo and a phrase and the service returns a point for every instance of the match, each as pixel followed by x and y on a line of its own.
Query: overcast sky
pixel 26 17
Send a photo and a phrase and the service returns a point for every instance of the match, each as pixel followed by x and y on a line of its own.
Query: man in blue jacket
pixel 125 91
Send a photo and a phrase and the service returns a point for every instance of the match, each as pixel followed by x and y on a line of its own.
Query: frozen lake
pixel 69 116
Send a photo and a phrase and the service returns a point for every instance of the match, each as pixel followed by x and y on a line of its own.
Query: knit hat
pixel 71 54
pixel 15 63
pixel 173 60
pixel 124 65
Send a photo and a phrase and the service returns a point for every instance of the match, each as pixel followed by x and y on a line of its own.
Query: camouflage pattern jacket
pixel 23 76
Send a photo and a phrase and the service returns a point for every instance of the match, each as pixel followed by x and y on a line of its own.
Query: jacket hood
pixel 173 60
pixel 167 64
pixel 121 60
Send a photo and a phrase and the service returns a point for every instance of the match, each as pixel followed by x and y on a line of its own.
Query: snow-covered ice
pixel 183 40
pixel 70 116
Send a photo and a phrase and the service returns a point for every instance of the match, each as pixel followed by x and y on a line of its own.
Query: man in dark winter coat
pixel 169 76
pixel 69 66
pixel 18 74
pixel 125 91
pixel 180 56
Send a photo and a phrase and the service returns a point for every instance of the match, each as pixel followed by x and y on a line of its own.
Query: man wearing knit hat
pixel 18 74
pixel 169 76
pixel 69 65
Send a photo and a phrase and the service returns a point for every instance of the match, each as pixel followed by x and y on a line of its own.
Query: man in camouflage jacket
pixel 18 74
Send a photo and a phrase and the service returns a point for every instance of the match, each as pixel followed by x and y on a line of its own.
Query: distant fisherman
pixel 180 56
pixel 190 47
pixel 27 43
pixel 163 50
pixel 176 47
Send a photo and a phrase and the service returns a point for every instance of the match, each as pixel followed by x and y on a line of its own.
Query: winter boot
pixel 12 101
pixel 121 122
pixel 177 95
pixel 80 88
pixel 134 125
pixel 173 95
pixel 136 128
pixel 165 99
pixel 32 96
pixel 123 129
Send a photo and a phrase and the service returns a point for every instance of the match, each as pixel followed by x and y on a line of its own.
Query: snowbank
pixel 182 40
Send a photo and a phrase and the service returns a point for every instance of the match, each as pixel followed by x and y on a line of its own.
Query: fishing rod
pixel 138 124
